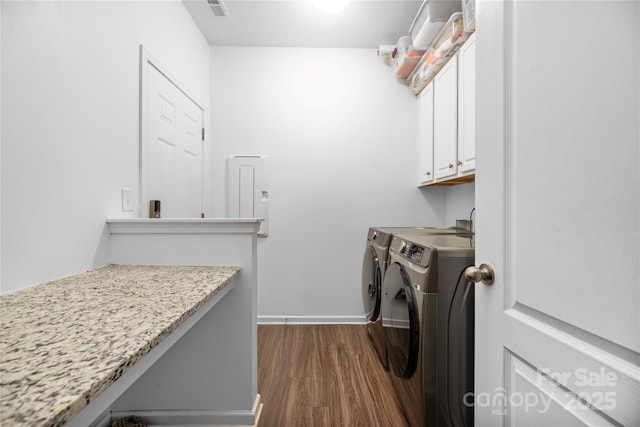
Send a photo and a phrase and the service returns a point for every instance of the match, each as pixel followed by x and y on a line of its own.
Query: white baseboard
pixel 197 418
pixel 311 320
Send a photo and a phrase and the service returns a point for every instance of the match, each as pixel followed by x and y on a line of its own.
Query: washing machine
pixel 427 322
pixel 374 264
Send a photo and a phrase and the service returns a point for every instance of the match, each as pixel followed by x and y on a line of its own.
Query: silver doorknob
pixel 483 274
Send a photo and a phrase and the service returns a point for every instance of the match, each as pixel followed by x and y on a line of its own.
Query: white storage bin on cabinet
pixel 430 19
pixel 469 15
pixel 405 57
pixel 445 46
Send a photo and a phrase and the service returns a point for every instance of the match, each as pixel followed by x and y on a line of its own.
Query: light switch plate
pixel 127 200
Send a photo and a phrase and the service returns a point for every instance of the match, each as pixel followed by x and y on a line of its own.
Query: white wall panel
pixel 340 135
pixel 460 200
pixel 248 189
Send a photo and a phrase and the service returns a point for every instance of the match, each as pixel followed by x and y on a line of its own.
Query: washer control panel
pixel 412 252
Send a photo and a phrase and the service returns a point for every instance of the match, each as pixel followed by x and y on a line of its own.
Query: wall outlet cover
pixel 127 200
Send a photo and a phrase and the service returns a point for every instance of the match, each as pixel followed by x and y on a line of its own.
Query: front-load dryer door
pixel 371 284
pixel 400 321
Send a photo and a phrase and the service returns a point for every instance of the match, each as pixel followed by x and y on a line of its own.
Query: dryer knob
pixel 403 247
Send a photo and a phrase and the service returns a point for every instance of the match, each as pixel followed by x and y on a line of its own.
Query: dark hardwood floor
pixel 323 375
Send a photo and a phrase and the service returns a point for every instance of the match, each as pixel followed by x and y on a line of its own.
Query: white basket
pixel 430 19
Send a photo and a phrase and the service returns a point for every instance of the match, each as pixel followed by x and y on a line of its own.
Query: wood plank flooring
pixel 323 375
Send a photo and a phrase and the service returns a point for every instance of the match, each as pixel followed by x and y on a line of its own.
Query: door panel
pixel 588 370
pixel 172 148
pixel 557 223
pixel 572 133
pixel 543 400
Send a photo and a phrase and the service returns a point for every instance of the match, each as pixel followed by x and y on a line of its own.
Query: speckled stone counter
pixel 65 342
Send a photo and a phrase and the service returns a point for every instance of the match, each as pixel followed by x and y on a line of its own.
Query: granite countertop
pixel 64 342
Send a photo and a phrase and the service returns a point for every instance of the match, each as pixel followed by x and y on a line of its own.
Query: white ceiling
pixel 297 23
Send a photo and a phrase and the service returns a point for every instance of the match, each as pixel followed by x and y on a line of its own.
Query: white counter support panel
pixel 210 376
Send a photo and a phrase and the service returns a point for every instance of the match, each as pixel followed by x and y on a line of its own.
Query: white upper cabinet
pixel 425 135
pixel 445 120
pixel 467 106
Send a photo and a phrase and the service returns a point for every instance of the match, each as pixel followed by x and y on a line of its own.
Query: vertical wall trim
pixel 248 189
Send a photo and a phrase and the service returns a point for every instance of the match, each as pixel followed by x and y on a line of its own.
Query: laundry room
pixel 337 128
pixel 334 136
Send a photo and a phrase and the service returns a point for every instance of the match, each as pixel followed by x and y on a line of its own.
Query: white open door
pixel 558 213
pixel 172 145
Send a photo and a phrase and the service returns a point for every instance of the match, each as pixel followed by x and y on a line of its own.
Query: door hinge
pixel 202 215
pixel 203 134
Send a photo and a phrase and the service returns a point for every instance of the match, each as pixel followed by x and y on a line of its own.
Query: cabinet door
pixel 467 105
pixel 445 116
pixel 425 135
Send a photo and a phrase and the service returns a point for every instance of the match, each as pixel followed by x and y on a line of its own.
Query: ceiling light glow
pixel 330 7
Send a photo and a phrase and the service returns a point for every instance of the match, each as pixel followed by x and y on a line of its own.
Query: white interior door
pixel 558 213
pixel 172 147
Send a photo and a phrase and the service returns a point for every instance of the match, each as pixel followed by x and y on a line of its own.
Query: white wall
pixel 460 200
pixel 70 84
pixel 340 135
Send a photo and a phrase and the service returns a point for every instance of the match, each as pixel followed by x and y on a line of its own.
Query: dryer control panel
pixel 417 254
pixel 412 252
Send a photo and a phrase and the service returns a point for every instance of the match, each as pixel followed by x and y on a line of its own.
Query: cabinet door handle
pixel 450 166
pixel 427 173
pixel 459 162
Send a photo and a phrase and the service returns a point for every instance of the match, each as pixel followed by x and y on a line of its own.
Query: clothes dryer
pixel 414 305
pixel 374 264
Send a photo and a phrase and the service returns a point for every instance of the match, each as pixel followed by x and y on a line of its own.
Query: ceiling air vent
pixel 218 8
